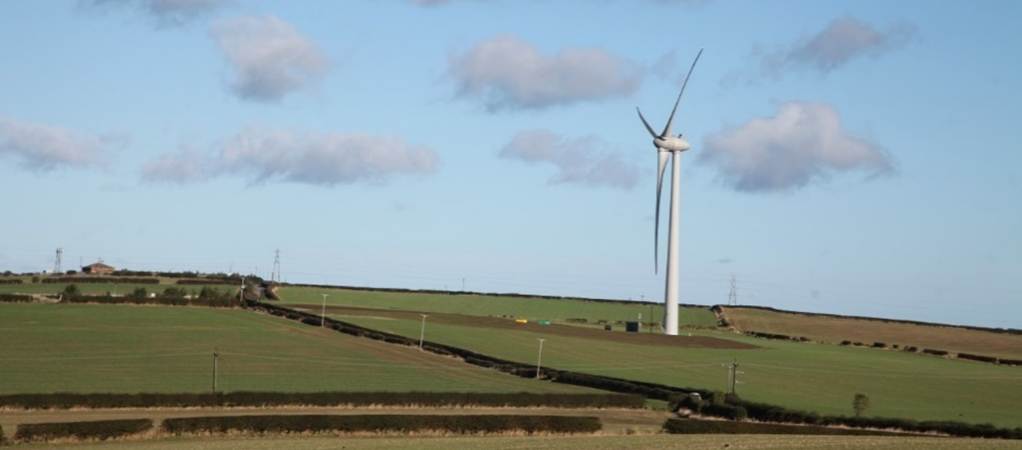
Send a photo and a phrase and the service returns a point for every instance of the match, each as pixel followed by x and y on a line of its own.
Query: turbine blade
pixel 661 166
pixel 667 129
pixel 643 119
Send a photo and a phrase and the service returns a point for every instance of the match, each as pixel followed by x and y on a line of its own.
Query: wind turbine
pixel 668 146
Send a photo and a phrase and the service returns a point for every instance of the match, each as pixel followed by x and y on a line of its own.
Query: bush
pixel 383 423
pixel 931 351
pixel 242 398
pixel 71 290
pixel 688 426
pixel 860 403
pixel 100 429
pixel 879 345
pixel 10 281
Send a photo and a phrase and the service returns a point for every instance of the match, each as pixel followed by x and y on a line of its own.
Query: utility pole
pixel 422 331
pixel 462 284
pixel 539 358
pixel 241 296
pixel 275 276
pixel 216 357
pixel 56 264
pixel 732 375
pixel 322 312
pixel 732 297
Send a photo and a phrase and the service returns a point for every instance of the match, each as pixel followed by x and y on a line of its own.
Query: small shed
pixel 98 268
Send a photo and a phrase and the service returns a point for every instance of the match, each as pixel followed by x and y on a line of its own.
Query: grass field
pixel 816 377
pixel 531 308
pixel 122 348
pixel 642 442
pixel 835 330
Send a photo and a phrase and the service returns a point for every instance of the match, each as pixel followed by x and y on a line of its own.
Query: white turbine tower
pixel 668 146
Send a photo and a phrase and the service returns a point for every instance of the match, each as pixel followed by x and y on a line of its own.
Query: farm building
pixel 98 268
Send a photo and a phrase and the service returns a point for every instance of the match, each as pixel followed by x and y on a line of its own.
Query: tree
pixel 71 290
pixel 860 404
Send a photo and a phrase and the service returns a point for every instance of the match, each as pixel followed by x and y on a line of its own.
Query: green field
pixel 816 377
pixel 123 348
pixel 650 442
pixel 531 308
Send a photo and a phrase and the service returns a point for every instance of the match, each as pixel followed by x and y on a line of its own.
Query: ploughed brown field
pixel 837 329
pixel 556 329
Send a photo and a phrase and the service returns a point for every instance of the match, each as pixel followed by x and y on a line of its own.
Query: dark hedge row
pixel 719 309
pixel 981 358
pixel 383 423
pixel 688 426
pixel 100 279
pixel 221 301
pixel 100 429
pixel 15 298
pixel 10 281
pixel 206 282
pixel 241 398
pixel 931 351
pixel 773 413
pixel 758 411
pixel 783 337
pixel 227 278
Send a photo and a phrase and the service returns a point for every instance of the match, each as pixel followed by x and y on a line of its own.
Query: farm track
pixel 615 421
pixel 556 329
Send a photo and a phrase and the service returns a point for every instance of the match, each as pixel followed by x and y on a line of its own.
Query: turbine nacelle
pixel 671 144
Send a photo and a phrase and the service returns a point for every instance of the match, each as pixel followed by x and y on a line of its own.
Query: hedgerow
pixel 15 298
pixel 100 279
pixel 100 429
pixel 689 426
pixel 383 423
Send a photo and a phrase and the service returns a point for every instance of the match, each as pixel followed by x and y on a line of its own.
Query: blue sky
pixel 849 157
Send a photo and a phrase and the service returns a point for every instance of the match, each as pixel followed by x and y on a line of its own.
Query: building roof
pixel 99 265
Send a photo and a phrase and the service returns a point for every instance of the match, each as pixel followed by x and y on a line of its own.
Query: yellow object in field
pixel 521 321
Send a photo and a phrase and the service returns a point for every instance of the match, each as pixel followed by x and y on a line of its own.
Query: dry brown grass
pixel 835 330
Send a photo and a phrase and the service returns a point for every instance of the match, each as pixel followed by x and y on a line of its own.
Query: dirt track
pixel 615 421
pixel 556 329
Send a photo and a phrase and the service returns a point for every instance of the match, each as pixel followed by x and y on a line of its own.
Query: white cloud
pixel 166 12
pixel 585 161
pixel 508 73
pixel 43 148
pixel 325 159
pixel 803 143
pixel 270 58
pixel 842 40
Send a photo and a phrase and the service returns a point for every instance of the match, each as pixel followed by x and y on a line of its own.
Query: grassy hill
pixel 833 329
pixel 815 377
pixel 532 308
pixel 121 348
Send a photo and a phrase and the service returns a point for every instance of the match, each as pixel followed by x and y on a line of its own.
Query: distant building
pixel 98 268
